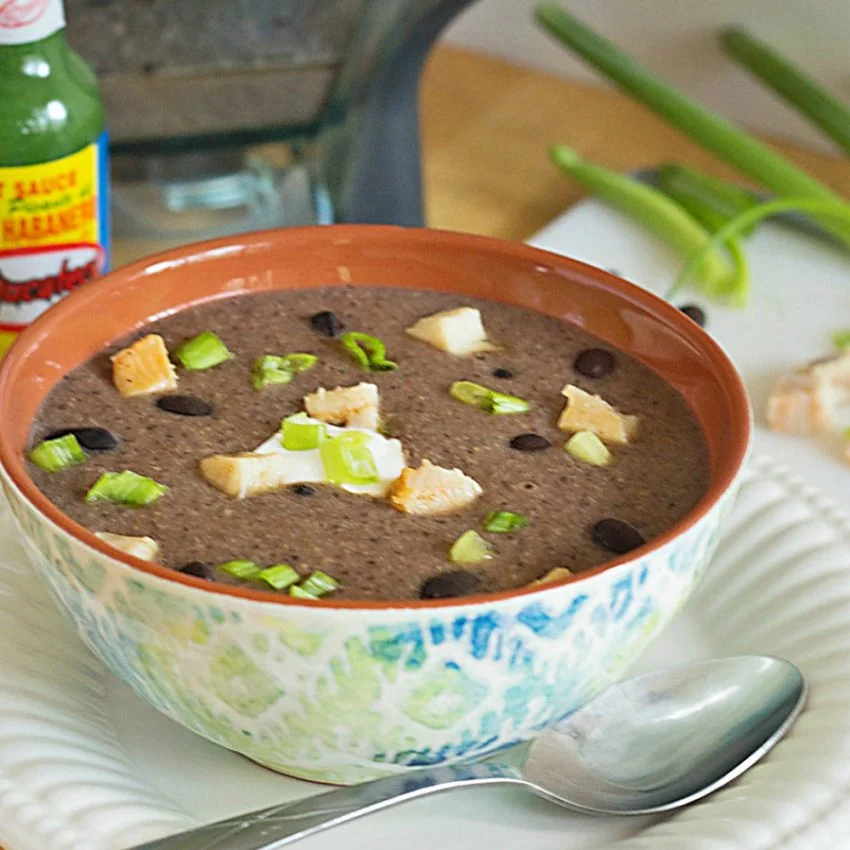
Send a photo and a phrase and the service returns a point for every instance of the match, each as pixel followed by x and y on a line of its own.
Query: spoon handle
pixel 280 826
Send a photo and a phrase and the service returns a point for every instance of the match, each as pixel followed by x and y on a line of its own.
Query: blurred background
pixel 232 115
pixel 678 40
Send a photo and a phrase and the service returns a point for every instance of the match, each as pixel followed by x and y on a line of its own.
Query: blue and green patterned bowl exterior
pixel 345 695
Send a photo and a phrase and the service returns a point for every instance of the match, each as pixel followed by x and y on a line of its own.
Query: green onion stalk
pixel 675 181
pixel 661 214
pixel 841 339
pixel 833 210
pixel 790 82
pixel 705 127
pixel 688 185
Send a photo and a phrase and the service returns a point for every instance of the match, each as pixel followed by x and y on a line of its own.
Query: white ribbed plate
pixel 84 765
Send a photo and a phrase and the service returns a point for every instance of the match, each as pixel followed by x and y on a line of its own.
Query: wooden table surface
pixel 487 127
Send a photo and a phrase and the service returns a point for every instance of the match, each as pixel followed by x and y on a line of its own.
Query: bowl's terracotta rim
pixel 16 470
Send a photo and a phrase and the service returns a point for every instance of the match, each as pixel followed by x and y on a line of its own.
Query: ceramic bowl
pixel 346 691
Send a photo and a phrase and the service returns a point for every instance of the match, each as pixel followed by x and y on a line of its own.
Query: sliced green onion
pixel 300 433
pixel 470 548
pixel 652 208
pixel 587 447
pixel 501 404
pixel 319 584
pixel 789 81
pixel 486 399
pixel 125 488
pixel 61 453
pixel 504 522
pixel 299 362
pixel 242 568
pixel 280 576
pixel 847 433
pixel 266 371
pixel 841 339
pixel 202 352
pixel 368 351
pixel 472 394
pixel 555 574
pixel 272 369
pixel 705 127
pixel 348 460
pixel 355 438
pixel 824 209
pixel 297 591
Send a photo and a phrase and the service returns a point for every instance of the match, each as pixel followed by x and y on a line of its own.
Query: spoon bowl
pixel 665 739
pixel 648 744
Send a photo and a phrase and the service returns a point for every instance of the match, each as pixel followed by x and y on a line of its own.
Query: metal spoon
pixel 648 744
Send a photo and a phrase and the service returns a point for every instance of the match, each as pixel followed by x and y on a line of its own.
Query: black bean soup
pixel 558 509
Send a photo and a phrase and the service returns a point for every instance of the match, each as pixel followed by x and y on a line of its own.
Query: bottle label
pixel 54 233
pixel 25 21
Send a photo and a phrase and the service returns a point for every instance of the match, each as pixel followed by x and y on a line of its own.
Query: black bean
pixel 327 323
pixel 695 312
pixel 198 569
pixel 529 443
pixel 502 373
pixel 304 490
pixel 447 585
pixel 617 536
pixel 184 405
pixel 594 362
pixel 93 439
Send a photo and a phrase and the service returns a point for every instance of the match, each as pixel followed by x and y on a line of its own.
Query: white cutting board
pixel 800 296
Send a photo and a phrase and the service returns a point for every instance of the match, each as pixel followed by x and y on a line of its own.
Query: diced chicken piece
pixel 796 406
pixel 145 548
pixel 834 371
pixel 805 401
pixel 458 331
pixel 143 368
pixel 586 412
pixel 847 450
pixel 556 574
pixel 356 407
pixel 247 474
pixel 433 490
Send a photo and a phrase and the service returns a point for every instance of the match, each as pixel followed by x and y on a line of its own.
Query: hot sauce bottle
pixel 54 223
